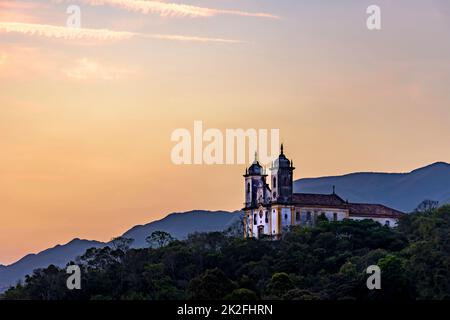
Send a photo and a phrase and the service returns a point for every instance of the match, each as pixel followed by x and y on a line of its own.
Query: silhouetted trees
pixel 159 239
pixel 427 206
pixel 326 262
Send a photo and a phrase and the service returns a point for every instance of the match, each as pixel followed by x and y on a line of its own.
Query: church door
pixel 260 231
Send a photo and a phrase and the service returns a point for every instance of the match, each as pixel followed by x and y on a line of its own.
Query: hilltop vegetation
pixel 325 262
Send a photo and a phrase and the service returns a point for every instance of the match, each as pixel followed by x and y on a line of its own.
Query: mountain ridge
pixel 214 221
pixel 61 254
pixel 401 191
pixel 433 165
pixel 58 255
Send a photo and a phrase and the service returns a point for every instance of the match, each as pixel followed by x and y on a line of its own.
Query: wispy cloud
pixel 18 62
pixel 7 5
pixel 66 33
pixel 51 31
pixel 20 11
pixel 172 9
pixel 86 68
pixel 181 38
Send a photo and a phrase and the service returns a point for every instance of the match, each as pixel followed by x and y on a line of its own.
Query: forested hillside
pixel 325 262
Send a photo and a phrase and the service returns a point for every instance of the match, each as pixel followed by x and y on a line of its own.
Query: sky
pixel 86 115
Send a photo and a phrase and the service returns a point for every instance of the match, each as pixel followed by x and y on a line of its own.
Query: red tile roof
pixel 355 209
pixel 373 210
pixel 313 199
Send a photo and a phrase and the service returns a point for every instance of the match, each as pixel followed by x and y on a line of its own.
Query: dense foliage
pixel 328 261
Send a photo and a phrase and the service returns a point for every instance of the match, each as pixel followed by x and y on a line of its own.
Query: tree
pixel 242 294
pixel 159 239
pixel 159 285
pixel 279 284
pixel 327 262
pixel 394 278
pixel 237 228
pixel 427 206
pixel 121 243
pixel 322 218
pixel 300 294
pixel 213 284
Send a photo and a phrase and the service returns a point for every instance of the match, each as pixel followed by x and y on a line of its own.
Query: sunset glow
pixel 86 115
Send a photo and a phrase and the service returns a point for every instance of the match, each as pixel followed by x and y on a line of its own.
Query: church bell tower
pixel 282 179
pixel 255 179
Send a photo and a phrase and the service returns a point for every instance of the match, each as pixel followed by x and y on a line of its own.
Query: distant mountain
pixel 58 255
pixel 402 191
pixel 179 225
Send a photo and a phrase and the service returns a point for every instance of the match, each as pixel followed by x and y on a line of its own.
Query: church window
pixel 274 194
pixel 254 219
pixel 248 187
pixel 297 216
pixel 274 182
pixel 267 217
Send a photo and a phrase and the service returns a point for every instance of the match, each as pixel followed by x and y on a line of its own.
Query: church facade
pixel 271 206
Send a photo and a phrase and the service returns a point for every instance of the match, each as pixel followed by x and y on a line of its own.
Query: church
pixel 272 207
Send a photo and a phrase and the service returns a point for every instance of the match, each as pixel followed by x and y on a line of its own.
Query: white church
pixel 271 209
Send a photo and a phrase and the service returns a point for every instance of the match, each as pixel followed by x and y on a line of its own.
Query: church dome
pixel 282 161
pixel 255 169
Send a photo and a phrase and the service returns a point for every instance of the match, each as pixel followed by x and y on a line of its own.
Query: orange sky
pixel 85 123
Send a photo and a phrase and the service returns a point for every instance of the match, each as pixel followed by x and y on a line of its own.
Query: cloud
pixel 172 9
pixel 8 5
pixel 87 69
pixel 51 31
pixel 20 11
pixel 191 38
pixel 67 33
pixel 18 62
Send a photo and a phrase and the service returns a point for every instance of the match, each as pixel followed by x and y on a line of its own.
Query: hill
pixel 58 255
pixel 326 262
pixel 401 191
pixel 179 225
